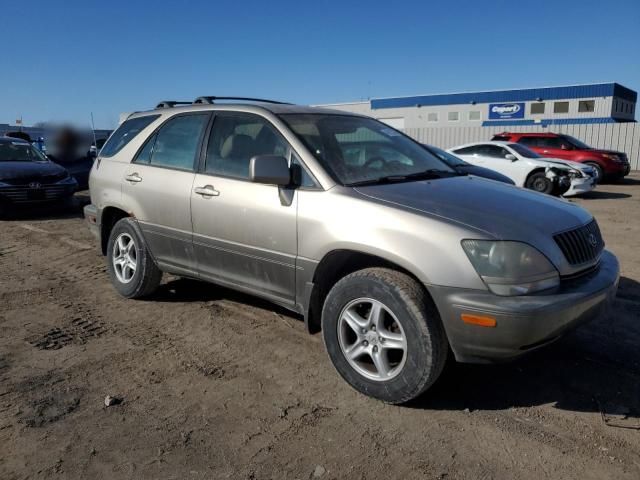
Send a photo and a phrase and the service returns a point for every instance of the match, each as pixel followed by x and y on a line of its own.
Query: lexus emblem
pixel 593 241
pixel 34 185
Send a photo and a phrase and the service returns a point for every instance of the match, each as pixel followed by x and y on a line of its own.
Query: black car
pixel 27 176
pixel 461 166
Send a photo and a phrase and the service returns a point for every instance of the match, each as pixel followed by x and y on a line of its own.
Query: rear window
pixel 126 132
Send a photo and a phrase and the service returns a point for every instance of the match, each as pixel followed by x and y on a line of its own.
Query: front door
pixel 158 184
pixel 244 235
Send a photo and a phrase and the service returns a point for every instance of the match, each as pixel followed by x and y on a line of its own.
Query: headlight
pixel 511 268
pixel 575 174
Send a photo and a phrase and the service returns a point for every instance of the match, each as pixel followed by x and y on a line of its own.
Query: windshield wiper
pixel 429 174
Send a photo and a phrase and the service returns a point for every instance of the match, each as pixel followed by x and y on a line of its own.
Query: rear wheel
pixel 133 272
pixel 384 335
pixel 540 183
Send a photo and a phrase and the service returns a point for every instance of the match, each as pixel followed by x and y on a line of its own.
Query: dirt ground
pixel 216 384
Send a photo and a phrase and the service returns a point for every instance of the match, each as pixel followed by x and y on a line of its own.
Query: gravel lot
pixel 216 384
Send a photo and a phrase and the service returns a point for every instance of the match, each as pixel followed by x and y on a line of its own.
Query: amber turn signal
pixel 480 320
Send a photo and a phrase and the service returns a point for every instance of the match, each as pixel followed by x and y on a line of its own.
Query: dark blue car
pixel 27 176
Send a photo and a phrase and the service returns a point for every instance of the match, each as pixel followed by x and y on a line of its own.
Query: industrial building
pixel 542 107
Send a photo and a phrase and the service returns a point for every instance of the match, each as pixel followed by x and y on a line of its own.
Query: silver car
pixel 397 258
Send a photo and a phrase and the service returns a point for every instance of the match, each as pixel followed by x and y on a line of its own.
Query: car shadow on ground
pixel 71 208
pixel 596 368
pixel 593 369
pixel 600 195
pixel 188 290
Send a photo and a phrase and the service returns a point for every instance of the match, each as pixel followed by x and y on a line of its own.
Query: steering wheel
pixel 373 160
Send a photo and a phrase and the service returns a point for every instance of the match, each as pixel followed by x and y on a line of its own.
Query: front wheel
pixel 597 170
pixel 539 183
pixel 133 272
pixel 384 335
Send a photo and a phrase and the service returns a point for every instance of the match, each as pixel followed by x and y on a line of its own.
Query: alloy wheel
pixel 372 339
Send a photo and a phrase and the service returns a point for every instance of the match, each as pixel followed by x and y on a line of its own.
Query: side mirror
pixel 270 169
pixel 511 157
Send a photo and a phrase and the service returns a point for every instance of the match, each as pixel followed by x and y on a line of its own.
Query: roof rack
pixel 211 99
pixel 170 104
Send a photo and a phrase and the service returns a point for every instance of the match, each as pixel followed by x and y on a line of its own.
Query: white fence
pixel 624 137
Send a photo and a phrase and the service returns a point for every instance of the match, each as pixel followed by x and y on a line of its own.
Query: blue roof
pixel 519 95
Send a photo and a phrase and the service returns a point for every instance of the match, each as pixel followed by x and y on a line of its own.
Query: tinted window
pixel 586 105
pixel 126 132
pixel 537 108
pixel 467 150
pixel 524 151
pixel 561 107
pixel 503 138
pixel 177 142
pixel 529 141
pixel 493 151
pixel 235 139
pixel 144 155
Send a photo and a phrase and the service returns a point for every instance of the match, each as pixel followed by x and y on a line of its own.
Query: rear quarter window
pixel 126 132
pixel 501 138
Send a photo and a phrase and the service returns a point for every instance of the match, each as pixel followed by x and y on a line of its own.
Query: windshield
pixel 524 151
pixel 357 149
pixel 446 157
pixel 576 143
pixel 20 152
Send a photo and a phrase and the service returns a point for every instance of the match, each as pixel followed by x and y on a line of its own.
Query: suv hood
pixel 17 170
pixel 501 211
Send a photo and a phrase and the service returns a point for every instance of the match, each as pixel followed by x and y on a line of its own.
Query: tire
pixel 539 182
pixel 410 321
pixel 130 282
pixel 598 170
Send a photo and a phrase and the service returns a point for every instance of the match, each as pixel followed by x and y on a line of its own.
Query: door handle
pixel 133 178
pixel 206 191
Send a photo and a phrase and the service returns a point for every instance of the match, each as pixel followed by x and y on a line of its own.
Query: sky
pixel 65 59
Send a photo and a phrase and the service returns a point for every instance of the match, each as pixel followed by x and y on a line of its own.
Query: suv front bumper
pixel 527 322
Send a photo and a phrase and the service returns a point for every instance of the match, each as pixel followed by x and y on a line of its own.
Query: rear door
pixel 244 233
pixel 157 185
pixel 553 147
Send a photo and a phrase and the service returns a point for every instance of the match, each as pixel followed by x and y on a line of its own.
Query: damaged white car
pixel 528 169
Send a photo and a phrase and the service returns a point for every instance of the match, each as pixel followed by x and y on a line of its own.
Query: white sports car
pixel 528 169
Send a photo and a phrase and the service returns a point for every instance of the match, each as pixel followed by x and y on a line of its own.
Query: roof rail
pixel 211 99
pixel 170 104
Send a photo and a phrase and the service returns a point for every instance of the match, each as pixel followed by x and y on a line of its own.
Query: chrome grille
pixel 581 245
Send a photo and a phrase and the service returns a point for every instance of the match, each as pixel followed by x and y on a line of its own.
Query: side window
pixel 235 139
pixel 549 142
pixel 529 141
pixel 301 176
pixel 561 107
pixel 537 108
pixel 492 151
pixel 126 132
pixel 144 155
pixel 176 143
pixel 467 150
